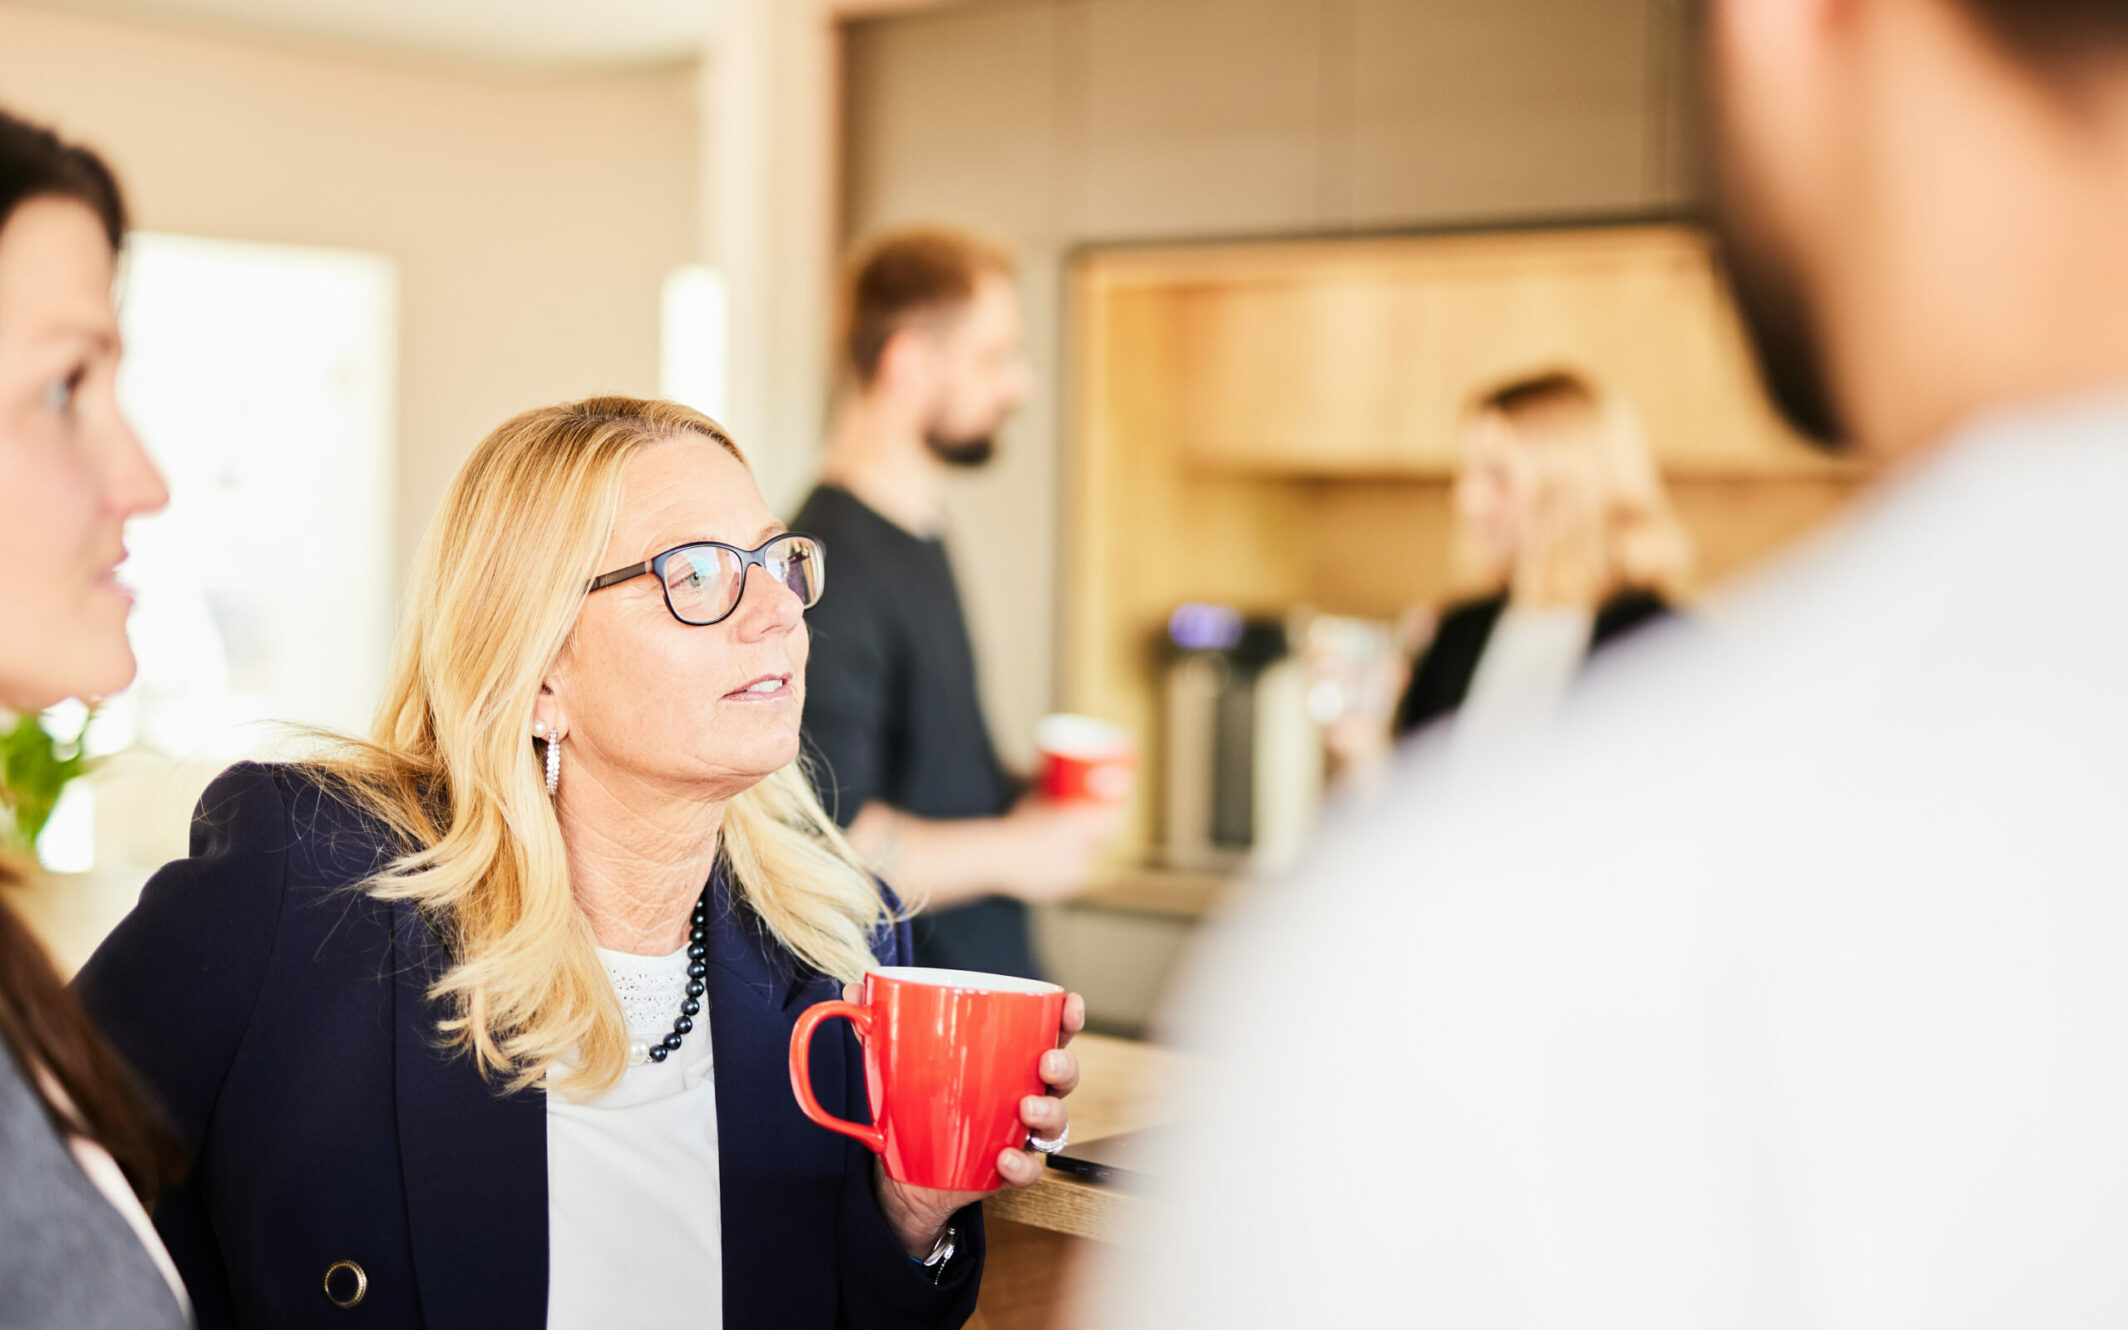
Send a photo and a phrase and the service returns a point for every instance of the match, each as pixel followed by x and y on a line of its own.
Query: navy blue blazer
pixel 283 1017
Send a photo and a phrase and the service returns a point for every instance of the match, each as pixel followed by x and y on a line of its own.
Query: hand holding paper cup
pixel 1085 760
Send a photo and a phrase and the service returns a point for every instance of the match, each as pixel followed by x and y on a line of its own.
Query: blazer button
pixel 346 1284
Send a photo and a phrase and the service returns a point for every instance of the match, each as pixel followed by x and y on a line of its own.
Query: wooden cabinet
pixel 1360 358
pixel 1303 375
pixel 1273 425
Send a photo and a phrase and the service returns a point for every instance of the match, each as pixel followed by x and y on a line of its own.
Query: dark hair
pixel 41 1024
pixel 1550 388
pixel 907 276
pixel 36 163
pixel 2056 33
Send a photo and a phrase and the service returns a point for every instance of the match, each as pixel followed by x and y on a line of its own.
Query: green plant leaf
pixel 34 768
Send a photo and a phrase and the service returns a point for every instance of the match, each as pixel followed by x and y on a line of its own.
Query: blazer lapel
pixel 473 1163
pixel 769 1155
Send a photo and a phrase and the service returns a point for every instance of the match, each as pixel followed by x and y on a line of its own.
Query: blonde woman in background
pixel 485 1021
pixel 1560 509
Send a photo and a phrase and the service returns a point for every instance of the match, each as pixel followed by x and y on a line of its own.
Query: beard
pixel 964 453
pixel 1784 339
pixel 1771 300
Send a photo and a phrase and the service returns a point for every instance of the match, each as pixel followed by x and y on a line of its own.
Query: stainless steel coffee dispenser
pixel 1242 762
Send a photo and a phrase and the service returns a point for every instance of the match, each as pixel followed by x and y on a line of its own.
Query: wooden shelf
pixel 1357 358
pixel 1171 893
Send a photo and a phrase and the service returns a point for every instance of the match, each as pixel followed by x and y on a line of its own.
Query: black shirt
pixel 1442 676
pixel 892 714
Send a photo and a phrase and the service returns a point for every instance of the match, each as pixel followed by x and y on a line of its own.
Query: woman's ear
pixel 548 718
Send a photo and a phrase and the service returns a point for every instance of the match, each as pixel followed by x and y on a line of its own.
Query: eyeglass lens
pixel 704 582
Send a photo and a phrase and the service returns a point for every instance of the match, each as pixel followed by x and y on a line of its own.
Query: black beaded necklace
pixel 691 1006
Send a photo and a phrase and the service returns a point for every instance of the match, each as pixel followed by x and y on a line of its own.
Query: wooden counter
pixel 1037 1235
pixel 1167 892
pixel 1120 1083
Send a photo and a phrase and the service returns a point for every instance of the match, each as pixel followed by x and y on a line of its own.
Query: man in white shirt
pixel 1788 986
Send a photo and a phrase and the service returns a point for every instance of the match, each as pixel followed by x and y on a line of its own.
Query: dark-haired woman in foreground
pixel 80 1153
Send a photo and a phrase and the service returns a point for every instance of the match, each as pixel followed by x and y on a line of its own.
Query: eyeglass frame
pixel 749 560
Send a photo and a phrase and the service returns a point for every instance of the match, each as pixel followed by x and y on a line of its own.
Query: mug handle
pixel 809 1020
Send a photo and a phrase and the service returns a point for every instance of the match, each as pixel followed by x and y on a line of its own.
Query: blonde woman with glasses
pixel 484 1021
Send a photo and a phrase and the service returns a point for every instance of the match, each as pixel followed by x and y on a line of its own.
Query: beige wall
pixel 1053 123
pixel 532 217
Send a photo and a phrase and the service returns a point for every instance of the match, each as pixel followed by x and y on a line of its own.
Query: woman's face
pixel 71 471
pixel 1488 496
pixel 644 698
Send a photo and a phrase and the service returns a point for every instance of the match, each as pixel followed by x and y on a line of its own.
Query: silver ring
pixel 1063 1139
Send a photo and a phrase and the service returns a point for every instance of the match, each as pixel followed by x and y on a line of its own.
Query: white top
pixel 1524 673
pixel 1787 989
pixel 634 1236
pixel 107 1177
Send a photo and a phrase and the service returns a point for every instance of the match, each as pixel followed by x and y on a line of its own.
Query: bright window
pixel 261 378
pixel 696 326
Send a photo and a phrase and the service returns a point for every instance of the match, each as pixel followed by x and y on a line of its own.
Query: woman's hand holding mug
pixel 999 1041
pixel 919 1214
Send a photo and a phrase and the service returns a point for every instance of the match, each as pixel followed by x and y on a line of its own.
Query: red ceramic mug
pixel 949 1055
pixel 1084 759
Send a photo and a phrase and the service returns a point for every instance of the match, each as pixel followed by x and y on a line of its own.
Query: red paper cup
pixel 1085 760
pixel 948 1055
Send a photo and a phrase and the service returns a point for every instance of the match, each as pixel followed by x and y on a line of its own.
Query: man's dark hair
pixel 906 277
pixel 2056 33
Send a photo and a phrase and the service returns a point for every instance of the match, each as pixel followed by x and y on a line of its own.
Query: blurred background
pixel 1270 250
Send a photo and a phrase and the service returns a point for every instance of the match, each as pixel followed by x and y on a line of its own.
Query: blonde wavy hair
pixel 452 769
pixel 1596 518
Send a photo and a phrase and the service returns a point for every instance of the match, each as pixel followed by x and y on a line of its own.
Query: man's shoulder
pixel 862 548
pixel 830 511
pixel 823 505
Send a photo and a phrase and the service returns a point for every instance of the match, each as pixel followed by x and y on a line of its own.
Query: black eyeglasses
pixel 703 582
